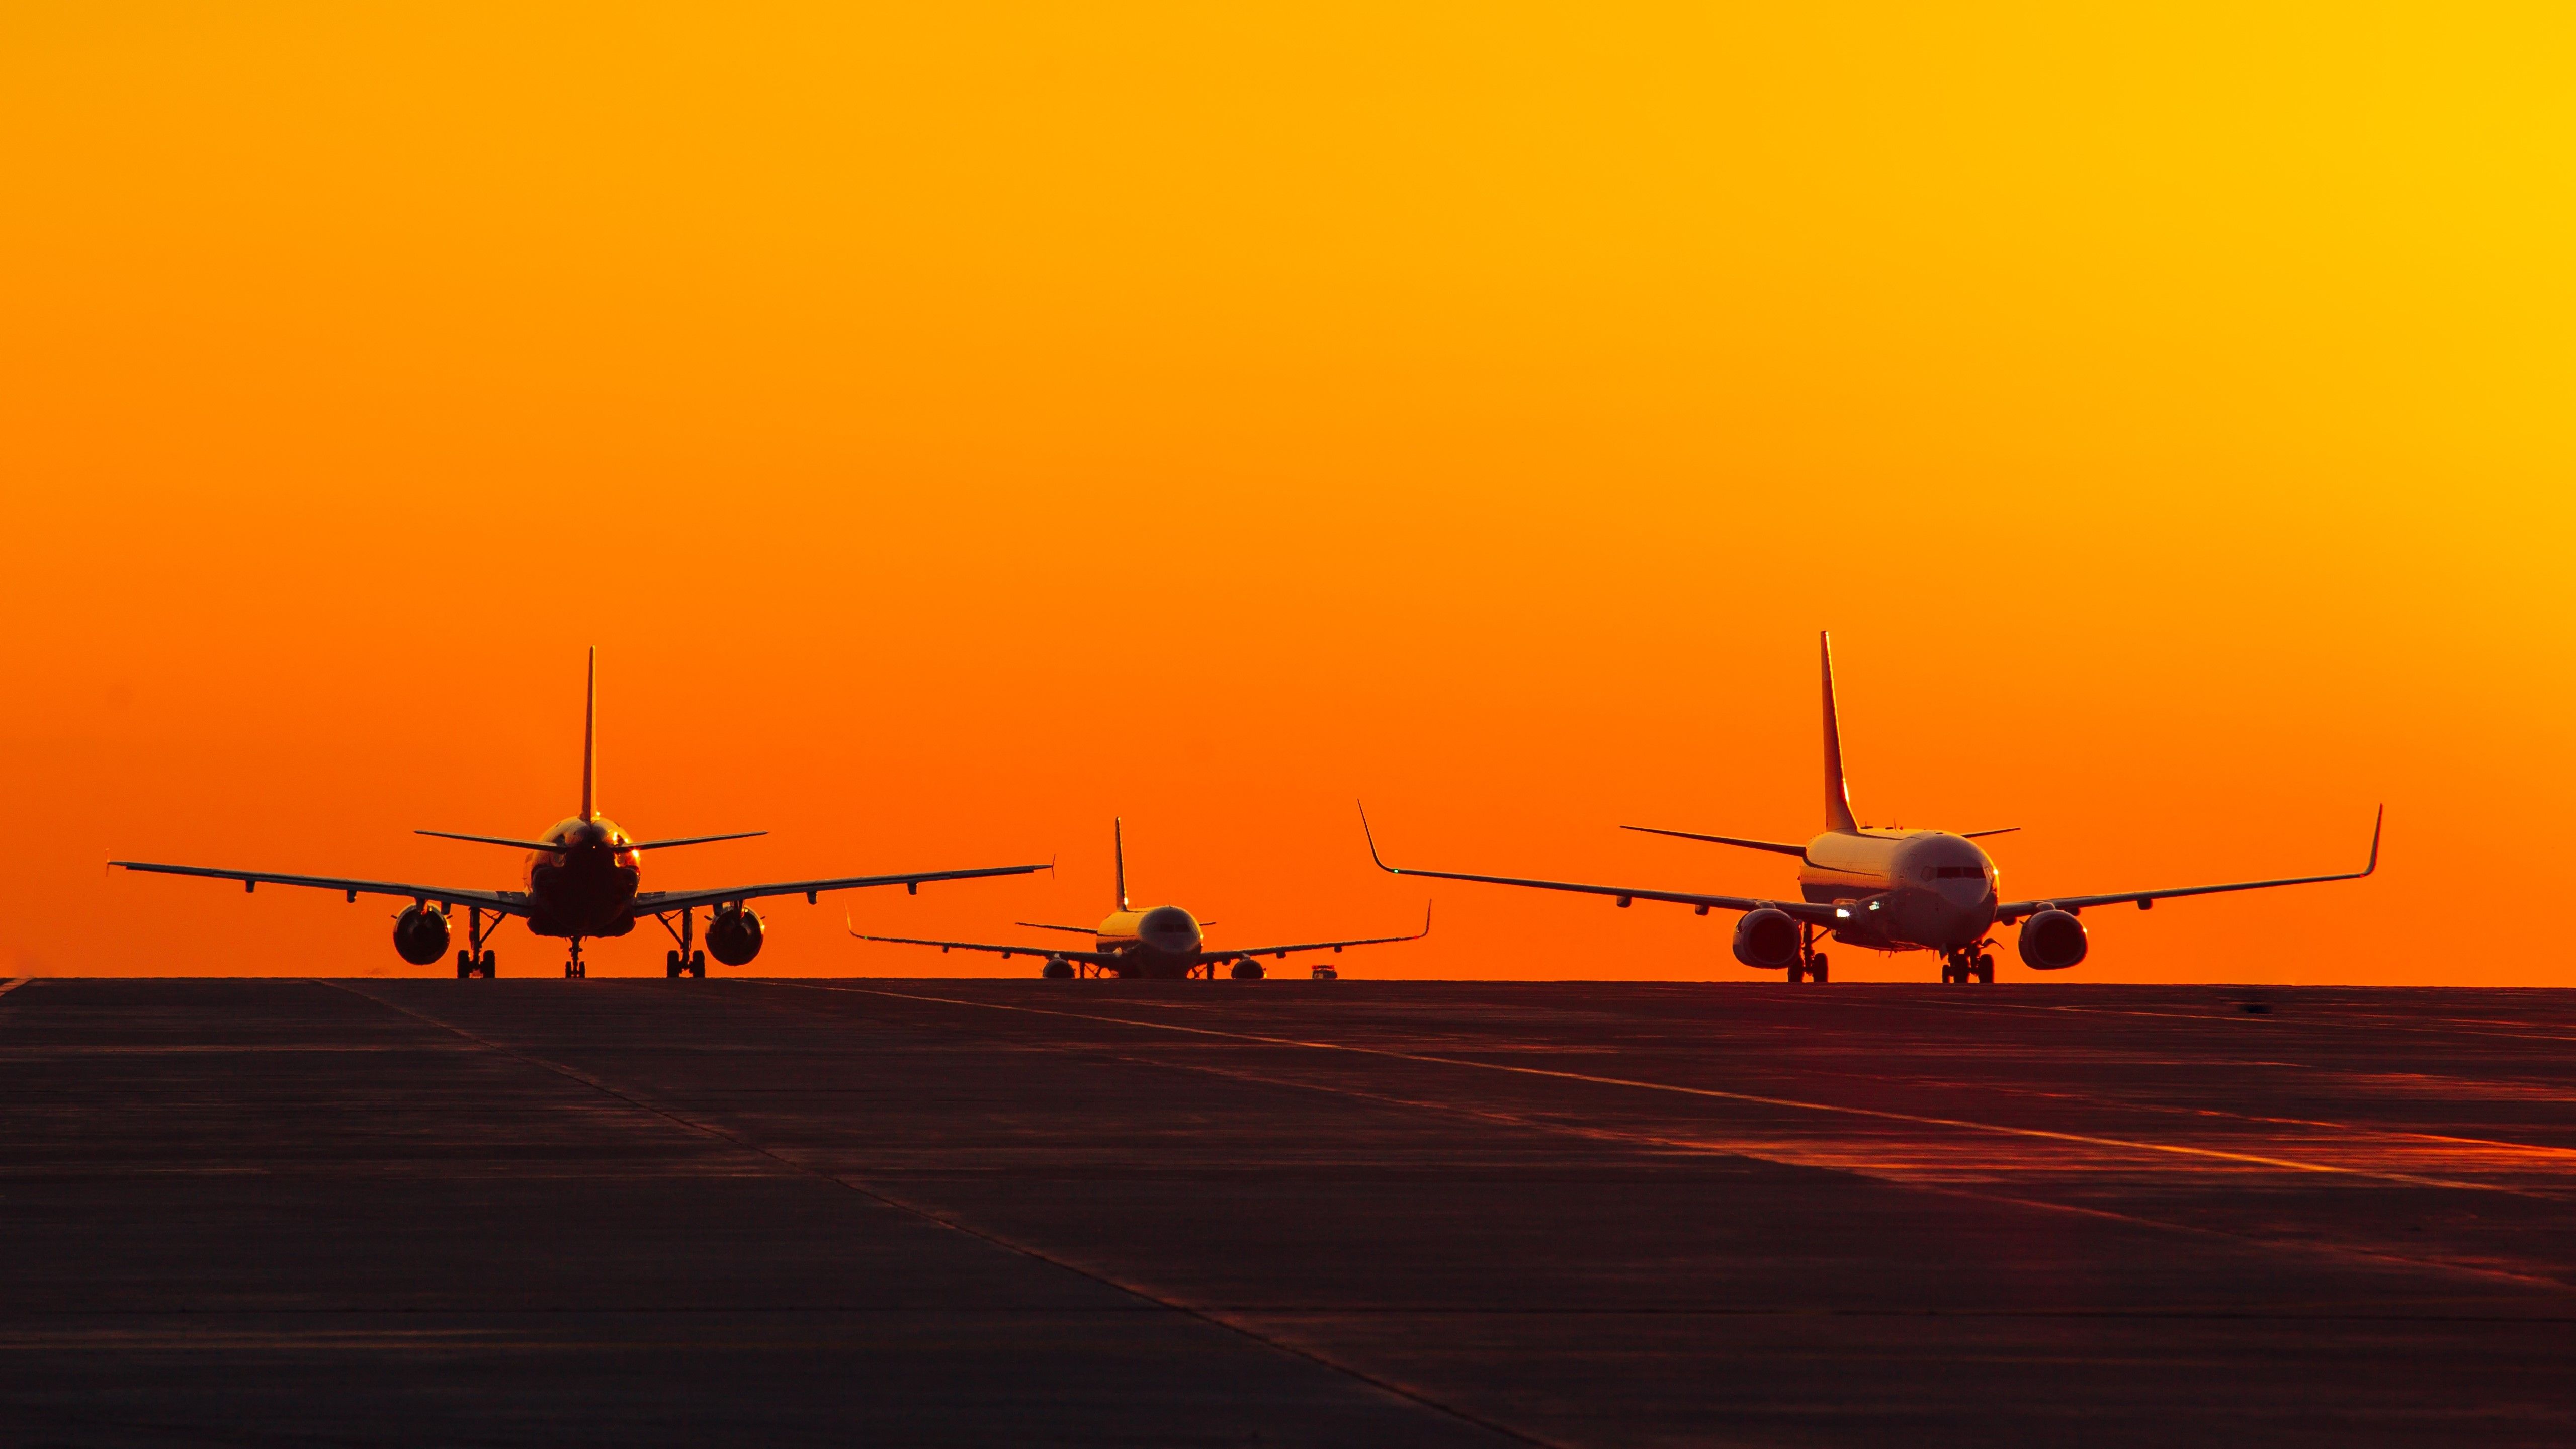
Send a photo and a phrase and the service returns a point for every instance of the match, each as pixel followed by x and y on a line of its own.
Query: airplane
pixel 1163 942
pixel 581 876
pixel 1886 889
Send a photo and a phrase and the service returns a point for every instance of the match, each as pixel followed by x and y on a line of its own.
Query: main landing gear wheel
pixel 1816 969
pixel 1797 973
pixel 469 964
pixel 1985 970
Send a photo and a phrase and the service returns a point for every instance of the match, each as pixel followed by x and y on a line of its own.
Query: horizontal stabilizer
pixel 1776 846
pixel 692 840
pixel 559 848
pixel 495 840
pixel 1982 834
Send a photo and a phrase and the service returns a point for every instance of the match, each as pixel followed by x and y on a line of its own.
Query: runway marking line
pixel 1879 1113
pixel 14 984
pixel 1770 1153
pixel 1213 1317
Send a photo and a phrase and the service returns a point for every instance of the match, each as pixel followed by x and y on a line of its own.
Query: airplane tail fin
pixel 590 738
pixel 1838 811
pixel 1118 854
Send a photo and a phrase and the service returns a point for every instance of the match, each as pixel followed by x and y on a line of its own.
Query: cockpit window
pixel 1959 872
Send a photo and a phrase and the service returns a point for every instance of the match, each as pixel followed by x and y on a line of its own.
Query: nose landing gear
pixel 573 969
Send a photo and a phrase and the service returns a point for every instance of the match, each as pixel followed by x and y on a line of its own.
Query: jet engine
pixel 2052 941
pixel 1767 939
pixel 420 934
pixel 733 937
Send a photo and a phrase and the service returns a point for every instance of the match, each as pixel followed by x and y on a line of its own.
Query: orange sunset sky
pixel 957 428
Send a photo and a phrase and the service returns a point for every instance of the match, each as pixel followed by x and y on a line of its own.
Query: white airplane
pixel 1887 889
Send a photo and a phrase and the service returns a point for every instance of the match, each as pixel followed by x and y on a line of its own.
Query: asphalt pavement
pixel 302 1211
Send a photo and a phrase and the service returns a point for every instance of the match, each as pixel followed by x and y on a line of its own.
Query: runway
pixel 976 1212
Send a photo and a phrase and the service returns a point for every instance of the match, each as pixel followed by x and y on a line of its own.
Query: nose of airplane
pixel 1169 928
pixel 1955 870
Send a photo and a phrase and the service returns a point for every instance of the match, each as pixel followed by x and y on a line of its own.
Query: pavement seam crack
pixel 1716 1093
pixel 1493 1117
pixel 1213 1318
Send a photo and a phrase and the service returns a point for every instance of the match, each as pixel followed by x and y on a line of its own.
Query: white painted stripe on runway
pixel 14 984
pixel 1963 1124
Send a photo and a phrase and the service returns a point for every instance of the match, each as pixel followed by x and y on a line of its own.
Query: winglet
pixel 1838 811
pixel 1371 837
pixel 2376 821
pixel 590 736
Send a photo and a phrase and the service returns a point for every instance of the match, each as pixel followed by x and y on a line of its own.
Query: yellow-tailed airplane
pixel 1160 941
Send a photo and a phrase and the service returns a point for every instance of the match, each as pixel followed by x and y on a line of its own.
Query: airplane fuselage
pixel 588 888
pixel 1164 941
pixel 1906 889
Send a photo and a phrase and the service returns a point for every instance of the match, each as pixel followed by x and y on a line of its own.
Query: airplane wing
pixel 2012 911
pixel 508 903
pixel 1282 951
pixel 1096 958
pixel 655 902
pixel 1823 915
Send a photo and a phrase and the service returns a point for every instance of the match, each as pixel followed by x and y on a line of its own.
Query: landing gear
pixel 1810 965
pixel 573 968
pixel 1965 964
pixel 682 962
pixel 474 960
